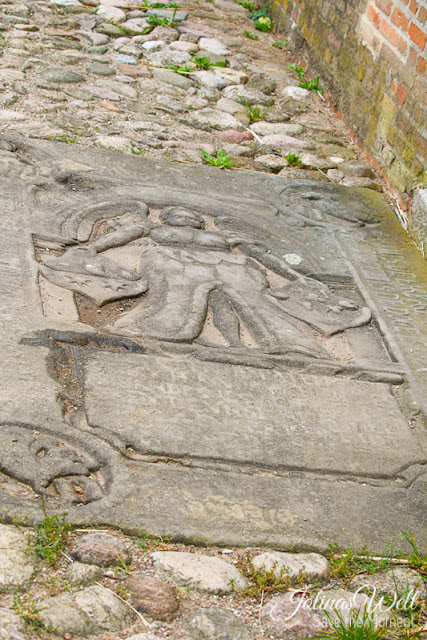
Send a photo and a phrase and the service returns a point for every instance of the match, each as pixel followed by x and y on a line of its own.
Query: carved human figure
pixel 185 269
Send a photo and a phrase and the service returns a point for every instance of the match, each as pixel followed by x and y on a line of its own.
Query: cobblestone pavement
pixel 104 584
pixel 100 75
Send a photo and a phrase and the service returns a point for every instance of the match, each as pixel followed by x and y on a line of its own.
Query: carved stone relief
pixel 176 273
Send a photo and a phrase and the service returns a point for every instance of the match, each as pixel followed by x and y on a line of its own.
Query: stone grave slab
pixel 216 356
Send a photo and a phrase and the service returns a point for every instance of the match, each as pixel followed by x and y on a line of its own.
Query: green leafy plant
pixel 247 4
pixel 299 70
pixel 359 626
pixel 251 36
pixel 262 582
pixel 254 112
pixel 294 159
pixel 205 64
pixel 280 44
pixel 311 85
pixel 261 12
pixel 51 537
pixel 183 70
pixel 264 24
pixel 136 152
pixel 221 160
pixel 155 21
pixel 68 140
pixel 27 610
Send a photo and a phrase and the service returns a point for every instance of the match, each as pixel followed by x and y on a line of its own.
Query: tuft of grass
pixel 222 159
pixel 349 563
pixel 264 24
pixel 67 139
pixel 418 561
pixel 262 583
pixel 312 85
pixel 51 537
pixel 299 70
pixel 136 152
pixel 27 610
pixel 251 36
pixel 280 44
pixel 360 626
pixel 254 112
pixel 294 159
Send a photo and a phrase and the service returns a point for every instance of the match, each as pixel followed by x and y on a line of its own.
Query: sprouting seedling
pixel 254 112
pixel 294 159
pixel 299 70
pixel 280 44
pixel 311 85
pixel 183 70
pixel 251 36
pixel 221 160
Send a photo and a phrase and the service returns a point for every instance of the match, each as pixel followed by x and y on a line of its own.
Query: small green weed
pixel 124 566
pixel 347 564
pixel 51 537
pixel 251 36
pixel 254 112
pixel 221 160
pixel 2 40
pixel 299 70
pixel 294 159
pixel 123 592
pixel 68 140
pixel 205 64
pixel 183 70
pixel 247 4
pixel 27 610
pixel 142 540
pixel 136 152
pixel 311 85
pixel 418 561
pixel 264 24
pixel 280 44
pixel 262 582
pixel 359 626
pixel 155 21
pixel 258 13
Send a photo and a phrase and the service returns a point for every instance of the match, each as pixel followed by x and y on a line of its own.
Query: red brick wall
pixel 400 25
pixel 372 58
